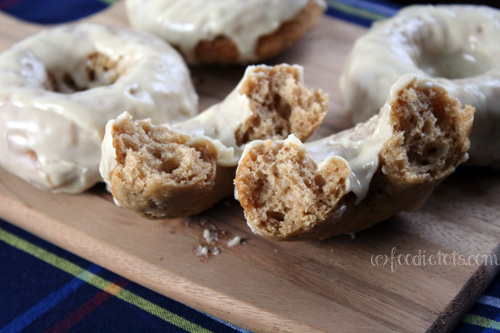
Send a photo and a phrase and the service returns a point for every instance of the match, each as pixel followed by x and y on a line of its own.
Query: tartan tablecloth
pixel 45 288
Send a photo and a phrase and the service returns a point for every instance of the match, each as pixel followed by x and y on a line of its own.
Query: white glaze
pixel 53 139
pixel 222 120
pixel 362 154
pixel 458 45
pixel 186 23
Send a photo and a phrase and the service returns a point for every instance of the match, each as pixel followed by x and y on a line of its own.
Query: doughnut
pixel 59 87
pixel 361 176
pixel 457 45
pixel 229 31
pixel 161 171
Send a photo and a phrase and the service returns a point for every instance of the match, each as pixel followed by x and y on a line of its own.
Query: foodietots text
pixel 421 258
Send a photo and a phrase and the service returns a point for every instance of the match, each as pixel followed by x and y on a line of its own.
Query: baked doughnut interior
pixel 154 162
pixel 429 135
pixel 281 103
pixel 286 191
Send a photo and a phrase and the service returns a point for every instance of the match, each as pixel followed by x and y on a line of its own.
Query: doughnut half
pixel 359 177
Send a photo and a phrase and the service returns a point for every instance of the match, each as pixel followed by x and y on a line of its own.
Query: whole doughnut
pixel 58 88
pixel 226 31
pixel 458 45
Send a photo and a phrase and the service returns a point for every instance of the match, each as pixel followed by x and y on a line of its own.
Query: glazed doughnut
pixel 58 89
pixel 359 177
pixel 184 169
pixel 228 31
pixel 458 45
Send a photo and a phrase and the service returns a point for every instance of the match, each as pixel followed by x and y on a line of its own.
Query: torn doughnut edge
pixel 162 172
pixel 286 197
pixel 281 104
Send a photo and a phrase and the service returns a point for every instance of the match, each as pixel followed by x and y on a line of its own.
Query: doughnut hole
pixel 283 193
pixel 156 164
pixel 281 105
pixel 95 70
pixel 435 54
pixel 458 65
pixel 430 138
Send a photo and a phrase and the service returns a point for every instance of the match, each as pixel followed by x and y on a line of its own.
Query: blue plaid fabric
pixel 45 288
pixel 52 11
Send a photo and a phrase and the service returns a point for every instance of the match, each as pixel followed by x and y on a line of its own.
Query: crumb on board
pixel 201 250
pixel 205 251
pixel 210 236
pixel 212 240
pixel 236 240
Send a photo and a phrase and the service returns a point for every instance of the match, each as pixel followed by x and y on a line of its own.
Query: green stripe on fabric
pixel 109 2
pixel 98 282
pixel 355 11
pixel 481 321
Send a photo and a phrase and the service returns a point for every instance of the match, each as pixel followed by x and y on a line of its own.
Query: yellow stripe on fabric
pixel 481 321
pixel 355 11
pixel 98 282
pixel 155 310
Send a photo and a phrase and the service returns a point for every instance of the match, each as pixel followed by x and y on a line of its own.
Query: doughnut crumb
pixel 282 104
pixel 157 162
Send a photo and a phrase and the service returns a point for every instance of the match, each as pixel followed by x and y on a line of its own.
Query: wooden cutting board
pixel 341 284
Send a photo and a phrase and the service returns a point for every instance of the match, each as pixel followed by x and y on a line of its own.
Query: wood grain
pixel 330 285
